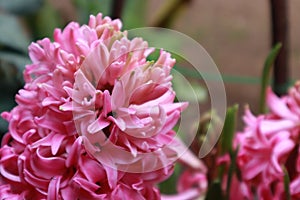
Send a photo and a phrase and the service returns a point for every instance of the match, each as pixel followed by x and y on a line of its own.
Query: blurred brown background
pixel 237 35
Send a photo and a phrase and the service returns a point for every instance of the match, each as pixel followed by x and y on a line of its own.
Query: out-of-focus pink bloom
pixel 267 145
pixel 295 175
pixel 192 183
pixel 261 153
pixel 295 188
pixel 268 192
pixel 89 96
pixel 238 190
pixel 192 179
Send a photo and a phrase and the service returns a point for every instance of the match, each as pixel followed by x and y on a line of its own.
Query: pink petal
pixel 53 188
pixel 186 195
pixel 272 126
pixel 278 107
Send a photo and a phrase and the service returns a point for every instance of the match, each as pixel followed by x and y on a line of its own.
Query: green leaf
pixel 12 66
pixel 11 79
pixel 131 10
pixel 6 104
pixel 228 129
pixel 287 184
pixel 226 143
pixel 169 12
pixel 169 186
pixel 214 191
pixel 12 35
pixel 188 90
pixel 266 76
pixel 159 40
pixel 45 21
pixel 21 7
pixel 91 7
pixel 231 171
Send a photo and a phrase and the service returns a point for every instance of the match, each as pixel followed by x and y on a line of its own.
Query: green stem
pixel 266 76
pixel 117 7
pixel 169 13
pixel 231 172
pixel 287 184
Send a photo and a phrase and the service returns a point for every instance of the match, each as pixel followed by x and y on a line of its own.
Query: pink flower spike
pixel 94 119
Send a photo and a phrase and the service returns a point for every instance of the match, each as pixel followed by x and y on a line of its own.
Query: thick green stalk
pixel 265 80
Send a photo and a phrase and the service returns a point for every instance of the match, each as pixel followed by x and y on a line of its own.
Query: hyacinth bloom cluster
pixel 269 146
pixel 94 119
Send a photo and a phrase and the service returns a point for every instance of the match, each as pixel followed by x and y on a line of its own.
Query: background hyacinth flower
pixel 94 119
pixel 192 182
pixel 269 145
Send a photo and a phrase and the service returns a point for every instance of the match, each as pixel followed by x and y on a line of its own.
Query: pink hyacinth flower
pixel 129 120
pixel 268 144
pixel 262 152
pixel 91 108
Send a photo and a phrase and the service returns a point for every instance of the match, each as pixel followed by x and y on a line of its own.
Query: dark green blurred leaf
pixel 12 66
pixel 226 144
pixel 21 7
pixel 231 171
pixel 168 186
pixel 91 7
pixel 154 55
pixel 6 104
pixel 188 90
pixel 214 191
pixel 134 14
pixel 265 81
pixel 287 184
pixel 168 12
pixel 45 21
pixel 9 85
pixel 12 35
pixel 228 129
pixel 11 70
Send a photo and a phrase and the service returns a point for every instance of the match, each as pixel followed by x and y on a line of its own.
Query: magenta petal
pixel 85 184
pixel 278 107
pixel 253 168
pixel 49 124
pixel 5 170
pixel 74 153
pixel 56 143
pixel 53 188
pixel 47 166
pixel 6 193
pixel 272 126
pixel 188 194
pixel 112 175
pixel 283 147
pixel 295 186
pixel 35 181
pixel 89 167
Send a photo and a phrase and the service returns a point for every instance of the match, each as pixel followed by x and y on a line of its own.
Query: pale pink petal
pixel 278 107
